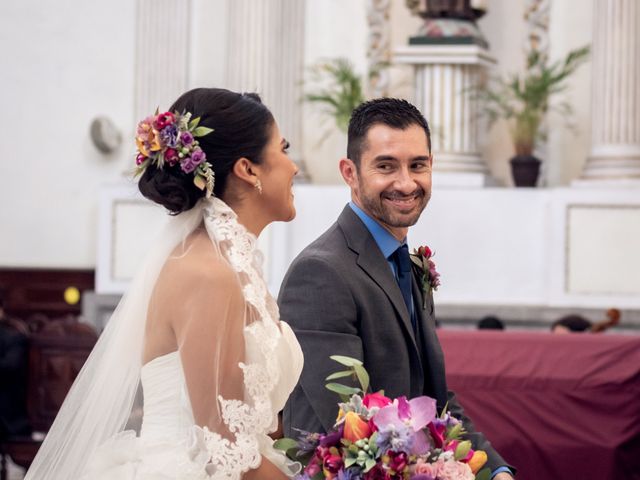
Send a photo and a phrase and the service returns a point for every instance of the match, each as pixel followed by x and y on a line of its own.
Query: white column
pixel 162 54
pixel 444 78
pixel 266 40
pixel 615 92
pixel 378 46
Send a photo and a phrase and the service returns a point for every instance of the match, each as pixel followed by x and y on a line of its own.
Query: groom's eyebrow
pixel 387 158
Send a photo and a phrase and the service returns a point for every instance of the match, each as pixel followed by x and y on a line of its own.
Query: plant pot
pixel 525 170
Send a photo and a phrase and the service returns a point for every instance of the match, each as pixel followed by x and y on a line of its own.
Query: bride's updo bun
pixel 241 126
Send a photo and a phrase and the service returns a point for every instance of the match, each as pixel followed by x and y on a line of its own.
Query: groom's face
pixel 393 181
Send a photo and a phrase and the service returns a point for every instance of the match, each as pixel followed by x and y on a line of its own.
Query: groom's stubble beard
pixel 374 205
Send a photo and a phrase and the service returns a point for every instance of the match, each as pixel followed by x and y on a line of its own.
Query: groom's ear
pixel 349 172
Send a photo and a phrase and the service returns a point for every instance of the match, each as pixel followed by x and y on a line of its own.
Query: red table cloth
pixel 555 406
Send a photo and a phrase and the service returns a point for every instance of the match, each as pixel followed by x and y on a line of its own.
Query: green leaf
pixel 285 444
pixel 346 361
pixel 349 461
pixel 455 432
pixel 373 445
pixel 202 131
pixel 443 413
pixel 484 474
pixel 369 464
pixel 194 123
pixel 345 373
pixel 462 450
pixel 415 259
pixel 200 182
pixel 342 389
pixel 363 377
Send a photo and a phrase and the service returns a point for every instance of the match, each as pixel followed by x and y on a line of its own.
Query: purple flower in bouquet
pixel 349 474
pixel 307 442
pixel 438 429
pixel 395 437
pixel 412 414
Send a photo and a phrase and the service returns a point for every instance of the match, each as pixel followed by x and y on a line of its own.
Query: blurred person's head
pixel 490 323
pixel 571 324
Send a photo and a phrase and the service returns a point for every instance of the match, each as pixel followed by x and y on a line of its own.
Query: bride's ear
pixel 245 171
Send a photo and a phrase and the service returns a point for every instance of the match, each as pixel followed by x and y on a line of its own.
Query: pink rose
pixel 375 400
pixel 425 469
pixel 452 470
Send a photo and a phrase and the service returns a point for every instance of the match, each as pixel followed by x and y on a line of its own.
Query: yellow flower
pixel 477 461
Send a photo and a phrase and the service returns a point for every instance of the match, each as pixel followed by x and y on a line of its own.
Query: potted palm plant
pixel 339 92
pixel 523 100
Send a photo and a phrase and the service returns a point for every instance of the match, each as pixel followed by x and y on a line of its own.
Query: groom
pixel 354 292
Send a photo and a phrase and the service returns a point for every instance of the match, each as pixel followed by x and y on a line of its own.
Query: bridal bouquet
pixel 379 438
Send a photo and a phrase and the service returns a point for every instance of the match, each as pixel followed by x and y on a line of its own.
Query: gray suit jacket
pixel 341 298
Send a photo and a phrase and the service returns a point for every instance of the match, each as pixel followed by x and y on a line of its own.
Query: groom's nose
pixel 404 181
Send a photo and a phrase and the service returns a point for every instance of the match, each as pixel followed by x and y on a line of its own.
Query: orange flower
pixel 355 428
pixel 477 461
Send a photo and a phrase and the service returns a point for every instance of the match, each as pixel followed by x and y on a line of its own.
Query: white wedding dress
pixel 209 405
pixel 169 445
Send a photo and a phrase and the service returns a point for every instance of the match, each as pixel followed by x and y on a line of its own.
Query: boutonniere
pixel 430 278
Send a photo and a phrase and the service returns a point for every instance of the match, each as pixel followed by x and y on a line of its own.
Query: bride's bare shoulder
pixel 197 261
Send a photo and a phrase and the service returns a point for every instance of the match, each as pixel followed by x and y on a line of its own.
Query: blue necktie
pixel 403 263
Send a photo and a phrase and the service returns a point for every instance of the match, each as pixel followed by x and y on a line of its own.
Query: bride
pixel 198 330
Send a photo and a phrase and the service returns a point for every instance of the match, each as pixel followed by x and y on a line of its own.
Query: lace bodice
pixel 167 414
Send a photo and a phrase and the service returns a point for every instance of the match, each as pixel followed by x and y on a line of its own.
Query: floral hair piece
pixel 170 139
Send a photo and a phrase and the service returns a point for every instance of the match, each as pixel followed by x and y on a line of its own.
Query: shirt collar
pixel 387 243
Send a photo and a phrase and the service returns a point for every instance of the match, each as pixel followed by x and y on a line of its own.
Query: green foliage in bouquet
pixel 523 100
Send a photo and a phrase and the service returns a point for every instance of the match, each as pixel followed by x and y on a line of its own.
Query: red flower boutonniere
pixel 430 279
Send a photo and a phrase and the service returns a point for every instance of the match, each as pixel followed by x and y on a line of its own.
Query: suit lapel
pixel 371 260
pixel 431 353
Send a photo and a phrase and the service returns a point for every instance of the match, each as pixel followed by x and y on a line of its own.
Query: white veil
pixel 102 396
pixel 228 339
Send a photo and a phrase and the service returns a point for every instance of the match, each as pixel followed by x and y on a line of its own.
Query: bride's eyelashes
pixel 286 145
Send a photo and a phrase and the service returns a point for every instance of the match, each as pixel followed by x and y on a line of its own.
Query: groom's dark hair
pixel 393 112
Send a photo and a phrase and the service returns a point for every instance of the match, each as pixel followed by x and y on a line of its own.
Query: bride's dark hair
pixel 242 126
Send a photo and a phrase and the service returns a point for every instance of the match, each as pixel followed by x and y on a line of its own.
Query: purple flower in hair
pixel 169 135
pixel 188 165
pixel 186 138
pixel 198 156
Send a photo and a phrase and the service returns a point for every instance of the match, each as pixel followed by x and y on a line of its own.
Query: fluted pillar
pixel 162 54
pixel 615 92
pixel 267 57
pixel 445 76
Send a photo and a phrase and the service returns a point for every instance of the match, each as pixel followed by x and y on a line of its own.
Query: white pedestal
pixel 445 76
